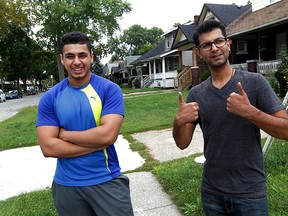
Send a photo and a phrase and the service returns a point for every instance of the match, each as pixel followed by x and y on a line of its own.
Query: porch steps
pixel 184 79
pixel 146 82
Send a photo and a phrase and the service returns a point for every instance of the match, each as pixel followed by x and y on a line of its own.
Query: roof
pixel 130 59
pixel 251 21
pixel 117 66
pixel 184 30
pixel 156 51
pixel 224 13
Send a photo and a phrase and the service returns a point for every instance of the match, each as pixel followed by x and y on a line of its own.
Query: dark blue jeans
pixel 217 205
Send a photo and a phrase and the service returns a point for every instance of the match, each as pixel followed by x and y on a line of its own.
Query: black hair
pixel 75 37
pixel 208 26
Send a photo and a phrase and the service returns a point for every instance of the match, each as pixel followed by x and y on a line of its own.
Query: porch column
pixel 180 60
pixel 163 72
pixel 154 68
pixel 150 70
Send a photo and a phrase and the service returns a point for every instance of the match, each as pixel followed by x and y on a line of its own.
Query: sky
pixel 165 13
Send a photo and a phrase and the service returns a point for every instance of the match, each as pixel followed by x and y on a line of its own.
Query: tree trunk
pixel 60 69
pixel 2 82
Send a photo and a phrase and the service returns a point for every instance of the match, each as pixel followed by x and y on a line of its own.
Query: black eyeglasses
pixel 219 42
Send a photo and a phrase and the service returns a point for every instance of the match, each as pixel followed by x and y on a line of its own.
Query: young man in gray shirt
pixel 231 107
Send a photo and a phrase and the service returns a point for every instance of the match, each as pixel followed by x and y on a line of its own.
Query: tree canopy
pixel 14 20
pixel 14 13
pixel 135 40
pixel 28 54
pixel 98 18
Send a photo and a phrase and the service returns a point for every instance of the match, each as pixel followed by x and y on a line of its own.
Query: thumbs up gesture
pixel 238 103
pixel 187 112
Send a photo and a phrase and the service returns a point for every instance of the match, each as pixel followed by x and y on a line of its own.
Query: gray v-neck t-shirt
pixel 232 145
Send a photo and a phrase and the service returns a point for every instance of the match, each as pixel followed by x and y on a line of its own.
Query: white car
pixel 2 96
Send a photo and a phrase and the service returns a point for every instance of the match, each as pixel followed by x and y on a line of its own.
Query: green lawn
pixel 180 178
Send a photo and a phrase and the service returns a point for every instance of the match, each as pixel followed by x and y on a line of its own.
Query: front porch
pixel 191 76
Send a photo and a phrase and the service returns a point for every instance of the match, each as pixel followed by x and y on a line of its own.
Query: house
pixel 113 71
pixel 260 36
pixel 158 66
pixel 173 63
pixel 226 14
pixel 131 71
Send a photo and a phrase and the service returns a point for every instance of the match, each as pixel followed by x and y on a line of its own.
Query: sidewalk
pixel 148 197
pixel 31 171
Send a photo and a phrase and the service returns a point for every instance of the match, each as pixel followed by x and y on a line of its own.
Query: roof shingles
pixel 251 20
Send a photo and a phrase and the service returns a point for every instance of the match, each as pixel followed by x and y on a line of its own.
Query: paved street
pixel 11 107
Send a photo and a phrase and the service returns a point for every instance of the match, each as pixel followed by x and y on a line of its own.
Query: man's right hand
pixel 187 112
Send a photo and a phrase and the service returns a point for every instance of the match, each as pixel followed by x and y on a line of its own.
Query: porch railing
pixel 183 79
pixel 268 66
pixel 242 66
pixel 145 81
pixel 262 67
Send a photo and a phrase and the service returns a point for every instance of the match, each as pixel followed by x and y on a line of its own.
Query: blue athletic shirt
pixel 78 109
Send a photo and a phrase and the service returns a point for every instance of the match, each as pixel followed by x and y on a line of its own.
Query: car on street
pixel 14 94
pixel 32 90
pixel 2 96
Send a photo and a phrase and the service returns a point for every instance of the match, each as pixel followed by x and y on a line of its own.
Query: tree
pixel 43 66
pixel 135 40
pixel 98 18
pixel 13 13
pixel 18 50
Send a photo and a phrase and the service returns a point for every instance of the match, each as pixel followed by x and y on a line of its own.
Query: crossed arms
pixel 59 143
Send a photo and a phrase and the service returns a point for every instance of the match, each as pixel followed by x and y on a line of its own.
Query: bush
pixel 130 83
pixel 270 76
pixel 205 75
pixel 137 83
pixel 282 75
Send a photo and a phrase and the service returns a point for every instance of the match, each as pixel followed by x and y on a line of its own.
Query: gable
pixel 180 36
pixel 221 12
pixel 184 35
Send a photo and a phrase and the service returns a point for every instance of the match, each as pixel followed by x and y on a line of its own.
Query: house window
pixel 241 47
pixel 168 44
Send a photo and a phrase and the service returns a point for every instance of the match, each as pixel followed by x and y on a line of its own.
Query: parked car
pixel 2 96
pixel 14 94
pixel 32 90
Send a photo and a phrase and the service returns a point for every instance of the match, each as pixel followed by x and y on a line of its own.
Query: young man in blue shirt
pixel 78 122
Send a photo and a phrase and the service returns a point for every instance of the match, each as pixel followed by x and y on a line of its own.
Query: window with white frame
pixel 241 47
